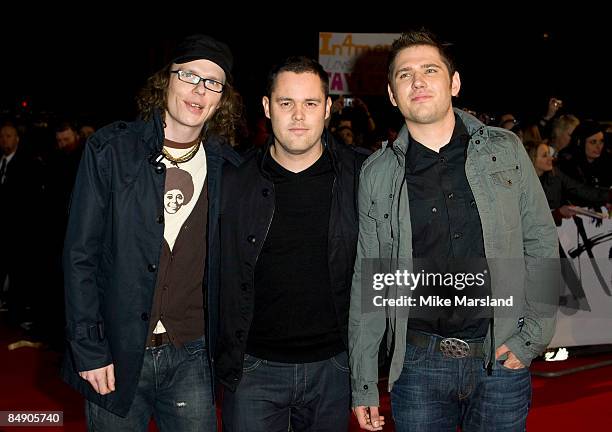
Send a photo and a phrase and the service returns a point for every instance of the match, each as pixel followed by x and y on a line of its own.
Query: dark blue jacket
pixel 112 251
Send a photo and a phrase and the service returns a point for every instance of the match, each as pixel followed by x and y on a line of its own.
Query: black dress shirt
pixel 446 235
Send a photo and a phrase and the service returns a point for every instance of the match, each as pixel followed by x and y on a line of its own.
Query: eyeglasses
pixel 191 78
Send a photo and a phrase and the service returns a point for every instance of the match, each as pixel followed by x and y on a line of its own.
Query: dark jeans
pixel 437 393
pixel 271 396
pixel 174 388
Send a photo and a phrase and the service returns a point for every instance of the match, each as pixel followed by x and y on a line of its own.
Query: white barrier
pixel 587 317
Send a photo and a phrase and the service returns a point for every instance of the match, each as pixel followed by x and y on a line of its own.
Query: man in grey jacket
pixel 449 188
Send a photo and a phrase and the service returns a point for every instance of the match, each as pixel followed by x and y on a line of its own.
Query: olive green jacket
pixel 517 226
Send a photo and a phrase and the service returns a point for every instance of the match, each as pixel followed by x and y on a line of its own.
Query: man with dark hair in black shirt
pixel 289 233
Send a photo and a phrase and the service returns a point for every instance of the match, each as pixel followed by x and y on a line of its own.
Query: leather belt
pixel 158 339
pixel 449 347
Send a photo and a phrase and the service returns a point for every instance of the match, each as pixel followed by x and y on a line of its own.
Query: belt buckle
pixel 454 348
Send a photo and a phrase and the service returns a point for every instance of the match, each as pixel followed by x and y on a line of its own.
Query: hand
pixel 102 379
pixel 567 211
pixel 368 418
pixel 512 362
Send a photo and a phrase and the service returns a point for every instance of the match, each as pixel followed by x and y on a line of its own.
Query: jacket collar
pixel 153 134
pixel 474 128
pixel 214 145
pixel 217 146
pixel 329 145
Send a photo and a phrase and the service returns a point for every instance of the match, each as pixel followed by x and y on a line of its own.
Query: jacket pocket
pixel 502 172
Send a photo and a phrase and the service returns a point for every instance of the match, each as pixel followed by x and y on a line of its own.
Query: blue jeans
pixel 437 393
pixel 174 388
pixel 271 396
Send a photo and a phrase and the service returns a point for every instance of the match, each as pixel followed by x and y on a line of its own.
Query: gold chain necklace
pixel 181 159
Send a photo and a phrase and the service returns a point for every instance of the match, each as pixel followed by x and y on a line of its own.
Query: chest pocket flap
pixel 502 168
pixel 380 210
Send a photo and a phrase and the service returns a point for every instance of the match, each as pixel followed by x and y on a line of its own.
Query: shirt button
pixel 365 387
pixel 152 267
pixel 493 158
pixel 442 159
pixel 390 195
pixel 451 195
pixel 457 236
pixel 434 210
pixel 265 192
pixel 160 168
pixel 251 239
pixel 160 219
pixel 386 216
pixel 477 142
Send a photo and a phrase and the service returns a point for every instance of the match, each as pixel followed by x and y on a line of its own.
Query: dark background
pixel 89 66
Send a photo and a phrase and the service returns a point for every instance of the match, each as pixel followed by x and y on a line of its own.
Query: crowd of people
pixel 36 180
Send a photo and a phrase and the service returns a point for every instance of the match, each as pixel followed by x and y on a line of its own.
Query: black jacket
pixel 572 162
pixel 561 189
pixel 112 250
pixel 21 196
pixel 246 214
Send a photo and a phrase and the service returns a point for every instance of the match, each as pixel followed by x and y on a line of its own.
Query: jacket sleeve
pixel 365 330
pixel 542 267
pixel 81 260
